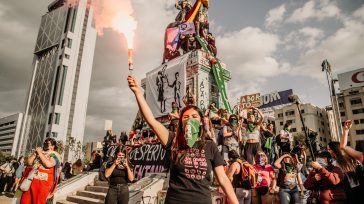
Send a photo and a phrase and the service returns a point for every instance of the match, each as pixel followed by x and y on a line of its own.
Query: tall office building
pixel 63 56
pixel 10 127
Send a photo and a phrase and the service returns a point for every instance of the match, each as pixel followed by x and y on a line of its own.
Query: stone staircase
pixel 92 194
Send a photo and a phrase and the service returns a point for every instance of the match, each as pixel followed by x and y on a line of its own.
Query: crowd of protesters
pixel 264 165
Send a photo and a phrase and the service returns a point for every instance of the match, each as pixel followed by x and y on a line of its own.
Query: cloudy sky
pixel 267 44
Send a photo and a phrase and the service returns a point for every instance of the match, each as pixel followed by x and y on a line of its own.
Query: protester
pixel 252 126
pixel 348 165
pixel 173 117
pixel 212 113
pixel 46 162
pixel 242 176
pixel 266 180
pixel 267 143
pixel 209 129
pixel 7 171
pixel 77 167
pixel 289 179
pixel 120 173
pixel 67 170
pixel 359 155
pixel 327 179
pixel 96 160
pixel 232 134
pixel 286 138
pixel 18 173
pixel 188 183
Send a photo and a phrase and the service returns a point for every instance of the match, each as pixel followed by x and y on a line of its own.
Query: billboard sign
pixel 275 98
pixel 351 79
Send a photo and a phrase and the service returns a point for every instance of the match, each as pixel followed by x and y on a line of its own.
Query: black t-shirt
pixel 118 176
pixel 190 175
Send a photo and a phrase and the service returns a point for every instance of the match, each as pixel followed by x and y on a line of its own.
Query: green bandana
pixel 192 130
pixel 286 129
pixel 251 126
pixel 289 167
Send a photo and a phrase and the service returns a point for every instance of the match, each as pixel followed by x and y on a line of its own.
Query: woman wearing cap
pixel 193 157
pixel 252 134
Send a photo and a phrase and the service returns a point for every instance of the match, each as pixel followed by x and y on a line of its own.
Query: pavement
pixel 6 198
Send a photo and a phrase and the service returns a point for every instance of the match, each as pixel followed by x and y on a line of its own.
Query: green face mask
pixel 192 129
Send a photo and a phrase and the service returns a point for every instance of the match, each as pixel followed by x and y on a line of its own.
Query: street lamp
pixel 294 99
pixel 334 103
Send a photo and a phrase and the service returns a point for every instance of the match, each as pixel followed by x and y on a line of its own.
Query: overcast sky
pixel 267 44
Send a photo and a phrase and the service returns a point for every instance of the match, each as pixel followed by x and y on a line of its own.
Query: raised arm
pixel 157 127
pixel 261 116
pixel 278 162
pixel 344 140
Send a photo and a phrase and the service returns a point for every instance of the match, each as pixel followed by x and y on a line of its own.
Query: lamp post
pixel 334 103
pixel 294 99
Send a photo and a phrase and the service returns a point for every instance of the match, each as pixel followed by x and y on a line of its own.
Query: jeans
pixel 117 194
pixel 289 195
pixel 244 196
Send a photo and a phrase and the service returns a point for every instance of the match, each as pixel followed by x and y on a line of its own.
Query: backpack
pixel 248 179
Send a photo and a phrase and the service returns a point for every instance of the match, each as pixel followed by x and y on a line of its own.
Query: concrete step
pixel 84 200
pixel 101 183
pixel 90 194
pixel 100 189
pixel 65 202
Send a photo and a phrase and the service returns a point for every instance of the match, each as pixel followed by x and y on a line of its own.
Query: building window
pixel 321 139
pixel 290 113
pixel 342 114
pixel 63 42
pixel 50 118
pixel 341 104
pixel 66 56
pixel 355 101
pixel 69 42
pixel 57 118
pixel 280 115
pixel 294 130
pixel 54 134
pixel 281 123
pixel 303 111
pixel 348 143
pixel 64 75
pixel 359 132
pixel 358 111
pixel 291 121
pixel 325 140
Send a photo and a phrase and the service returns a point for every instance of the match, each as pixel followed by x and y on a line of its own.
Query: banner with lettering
pixel 149 158
pixel 166 84
pixel 248 101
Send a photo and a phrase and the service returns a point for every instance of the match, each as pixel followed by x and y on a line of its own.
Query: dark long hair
pixel 53 143
pixel 180 142
pixel 123 149
pixel 346 163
